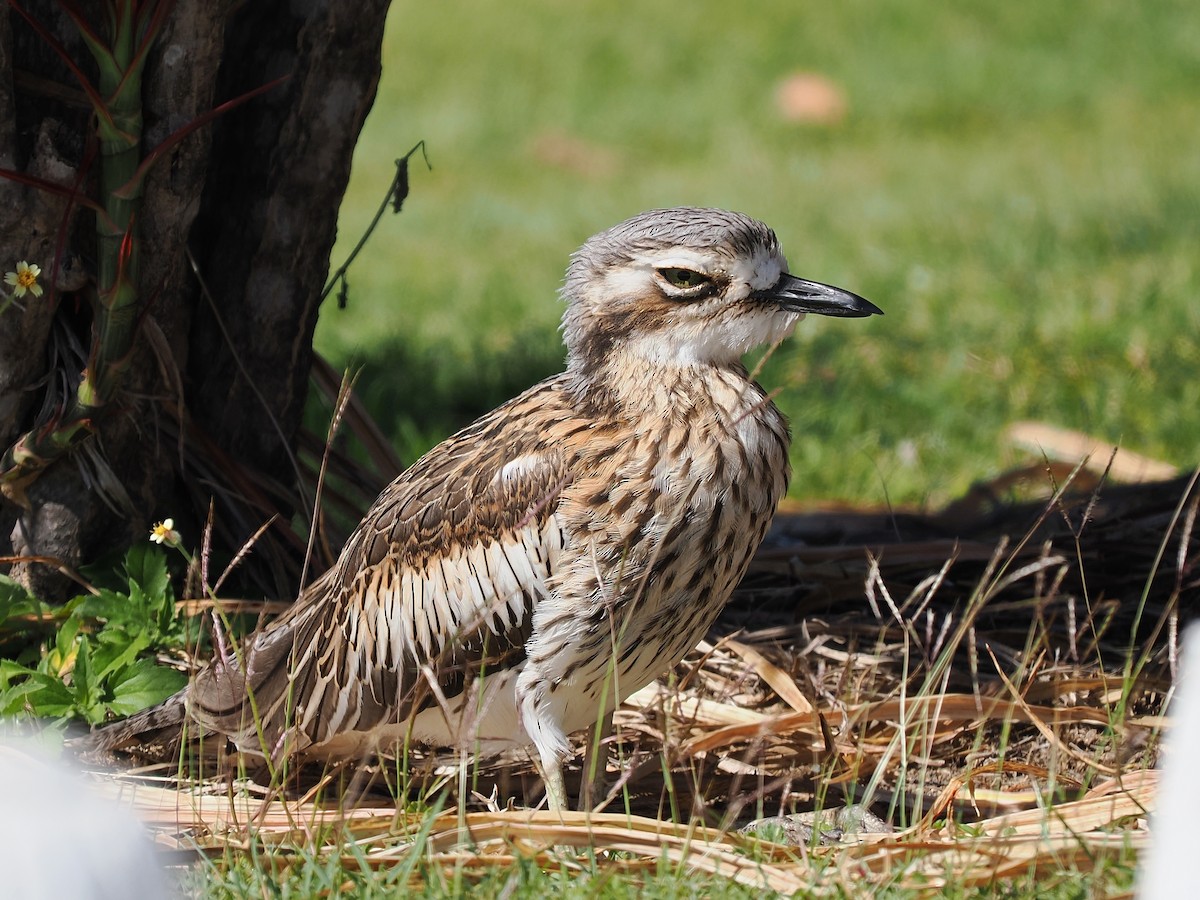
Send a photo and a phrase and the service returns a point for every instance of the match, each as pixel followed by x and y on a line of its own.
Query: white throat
pixel 693 344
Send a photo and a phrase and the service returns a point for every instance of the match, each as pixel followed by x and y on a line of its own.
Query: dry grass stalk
pixel 993 848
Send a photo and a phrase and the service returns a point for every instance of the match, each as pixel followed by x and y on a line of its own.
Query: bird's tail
pixel 158 723
pixel 244 698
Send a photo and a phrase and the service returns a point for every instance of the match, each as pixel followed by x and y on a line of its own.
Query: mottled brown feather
pixel 448 502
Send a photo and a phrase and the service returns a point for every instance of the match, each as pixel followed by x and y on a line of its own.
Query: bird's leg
pixel 545 733
pixel 556 789
pixel 595 763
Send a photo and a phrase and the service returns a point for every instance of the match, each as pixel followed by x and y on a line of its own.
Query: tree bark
pixel 216 385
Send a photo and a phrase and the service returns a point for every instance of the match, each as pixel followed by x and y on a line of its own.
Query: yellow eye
pixel 684 278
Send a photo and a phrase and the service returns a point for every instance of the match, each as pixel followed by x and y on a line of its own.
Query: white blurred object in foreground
pixel 61 841
pixel 1169 869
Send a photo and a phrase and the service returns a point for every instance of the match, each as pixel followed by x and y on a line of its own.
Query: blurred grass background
pixel 1016 184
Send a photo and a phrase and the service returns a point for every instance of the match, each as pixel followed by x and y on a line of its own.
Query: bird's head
pixel 687 286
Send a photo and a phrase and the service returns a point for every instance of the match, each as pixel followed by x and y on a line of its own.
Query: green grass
pixel 1015 184
pixel 306 877
pixel 303 875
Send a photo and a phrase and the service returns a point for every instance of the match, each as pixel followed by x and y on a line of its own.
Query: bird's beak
pixel 798 295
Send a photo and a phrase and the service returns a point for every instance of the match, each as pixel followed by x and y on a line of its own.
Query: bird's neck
pixel 635 387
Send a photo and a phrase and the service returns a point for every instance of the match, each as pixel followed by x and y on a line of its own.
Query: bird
pixel 534 569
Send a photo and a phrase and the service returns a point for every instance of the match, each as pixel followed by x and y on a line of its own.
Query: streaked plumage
pixel 603 516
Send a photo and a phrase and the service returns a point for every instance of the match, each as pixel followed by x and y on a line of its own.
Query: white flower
pixel 164 533
pixel 25 279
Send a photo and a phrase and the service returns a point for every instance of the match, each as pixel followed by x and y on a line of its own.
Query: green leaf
pixel 15 600
pixel 115 650
pixel 146 566
pixel 10 669
pixel 143 685
pixel 88 671
pixel 84 683
pixel 147 610
pixel 109 605
pixel 41 694
pixel 64 642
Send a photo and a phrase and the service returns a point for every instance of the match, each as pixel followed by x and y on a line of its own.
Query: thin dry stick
pixel 244 550
pixel 55 563
pixel 1046 731
pixel 1134 670
pixel 237 359
pixel 339 409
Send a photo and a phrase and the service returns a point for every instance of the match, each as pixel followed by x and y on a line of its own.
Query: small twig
pixel 284 443
pixel 247 545
pixel 396 194
pixel 1046 731
pixel 345 392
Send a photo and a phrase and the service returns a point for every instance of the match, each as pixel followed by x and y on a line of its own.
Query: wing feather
pixel 444 572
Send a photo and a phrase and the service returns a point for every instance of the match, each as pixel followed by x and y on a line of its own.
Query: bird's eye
pixel 683 278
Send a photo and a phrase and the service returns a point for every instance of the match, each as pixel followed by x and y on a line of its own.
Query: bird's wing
pixel 437 584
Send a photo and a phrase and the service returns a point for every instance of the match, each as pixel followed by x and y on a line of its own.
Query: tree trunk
pixel 214 388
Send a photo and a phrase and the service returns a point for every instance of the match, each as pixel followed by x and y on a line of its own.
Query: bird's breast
pixel 662 530
pixel 646 577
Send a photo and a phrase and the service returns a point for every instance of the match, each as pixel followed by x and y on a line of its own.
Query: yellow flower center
pixel 164 533
pixel 26 278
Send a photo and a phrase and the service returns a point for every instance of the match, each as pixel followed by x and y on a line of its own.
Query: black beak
pixel 798 295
